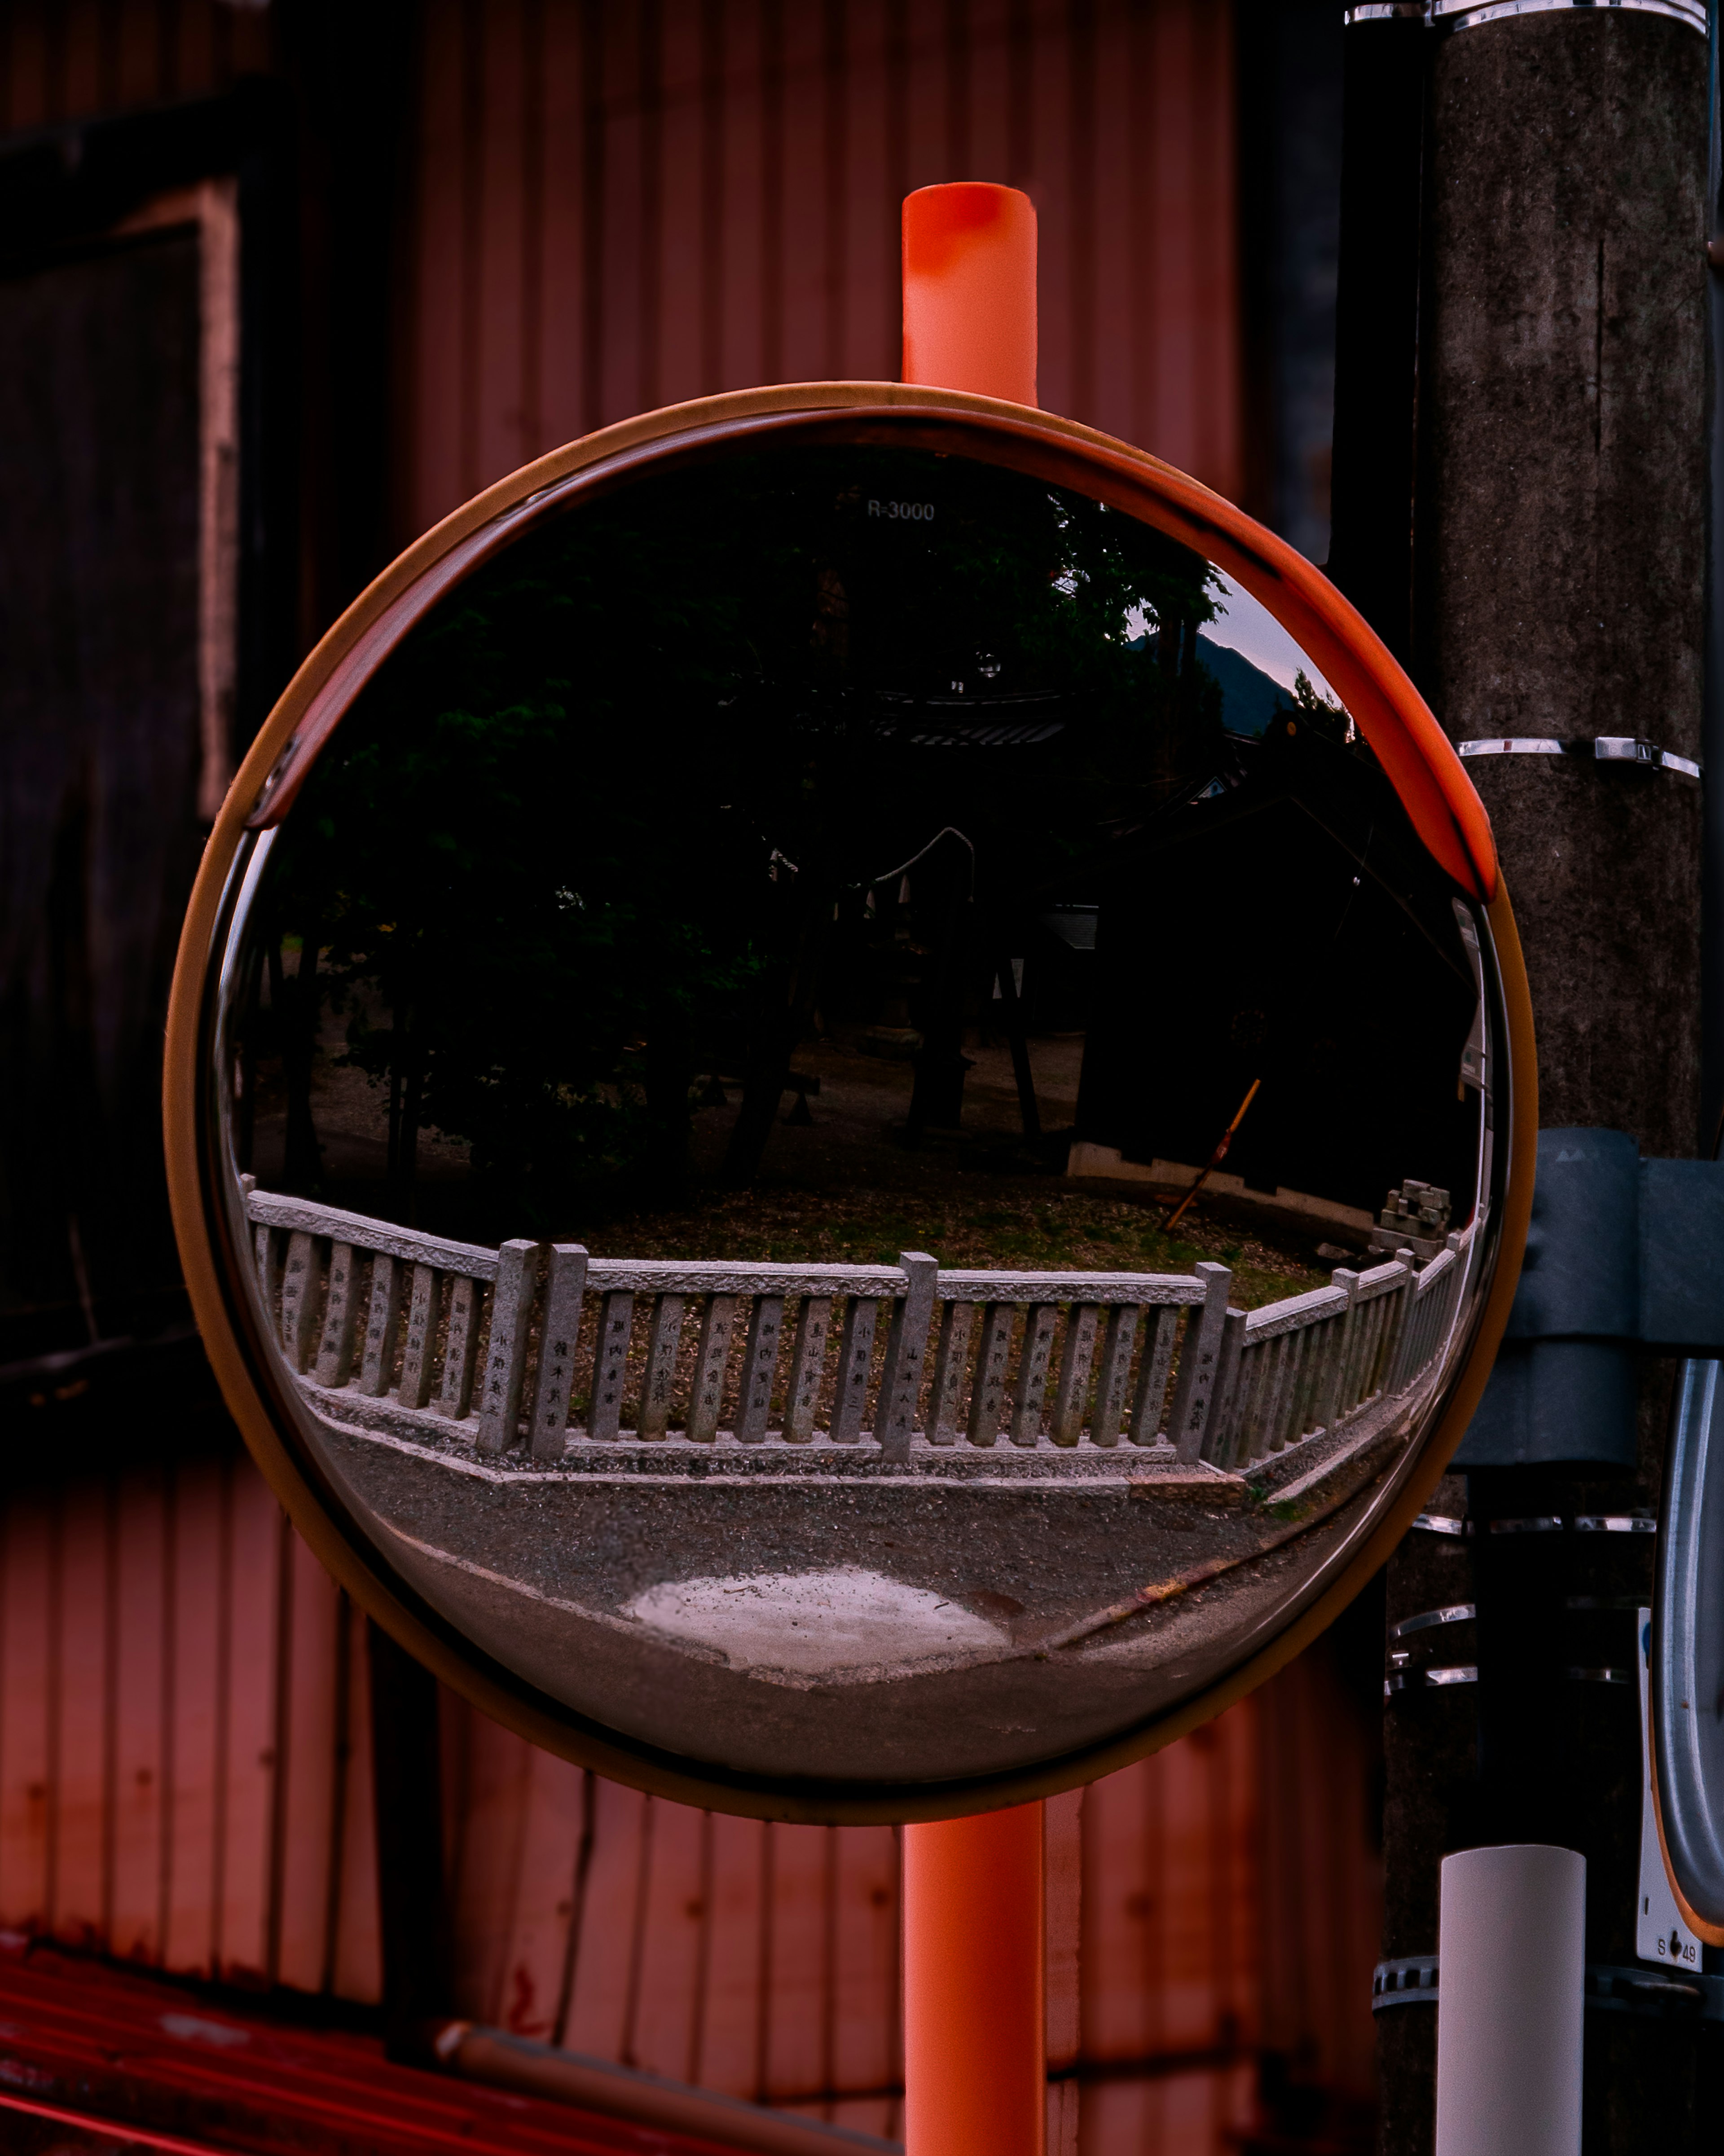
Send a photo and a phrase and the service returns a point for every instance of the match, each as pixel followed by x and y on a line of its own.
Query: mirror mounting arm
pixel 1623 1255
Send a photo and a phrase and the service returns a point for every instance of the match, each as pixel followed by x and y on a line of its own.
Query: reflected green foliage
pixel 613 815
pixel 1319 710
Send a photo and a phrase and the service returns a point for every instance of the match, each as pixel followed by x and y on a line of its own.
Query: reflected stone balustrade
pixel 545 1347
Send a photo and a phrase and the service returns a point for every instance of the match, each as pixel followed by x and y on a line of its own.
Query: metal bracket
pixel 1623 1255
pixel 1414 1980
pixel 1598 748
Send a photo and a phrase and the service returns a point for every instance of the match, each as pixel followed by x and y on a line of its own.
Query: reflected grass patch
pixel 1075 1233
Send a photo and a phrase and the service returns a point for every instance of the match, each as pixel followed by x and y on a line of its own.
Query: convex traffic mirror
pixel 843 1100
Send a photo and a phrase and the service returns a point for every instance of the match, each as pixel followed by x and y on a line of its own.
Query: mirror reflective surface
pixel 859 1133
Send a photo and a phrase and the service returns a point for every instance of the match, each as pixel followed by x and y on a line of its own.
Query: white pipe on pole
pixel 1511 1963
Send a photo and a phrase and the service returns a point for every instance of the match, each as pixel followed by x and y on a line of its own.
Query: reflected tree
pixel 607 819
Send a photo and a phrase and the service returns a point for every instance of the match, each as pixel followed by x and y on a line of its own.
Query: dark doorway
pixel 99 764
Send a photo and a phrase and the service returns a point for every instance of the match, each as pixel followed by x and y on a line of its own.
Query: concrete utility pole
pixel 1559 523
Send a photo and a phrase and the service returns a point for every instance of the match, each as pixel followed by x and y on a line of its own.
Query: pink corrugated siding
pixel 1322 1875
pixel 74 60
pixel 611 207
pixel 620 207
pixel 181 1690
pixel 1170 1973
pixel 763 1960
pixel 185 1783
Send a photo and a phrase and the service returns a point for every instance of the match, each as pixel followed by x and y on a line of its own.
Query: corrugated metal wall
pixel 1322 1874
pixel 611 205
pixel 184 1749
pixel 763 1960
pixel 72 59
pixel 185 1784
pixel 619 203
pixel 621 206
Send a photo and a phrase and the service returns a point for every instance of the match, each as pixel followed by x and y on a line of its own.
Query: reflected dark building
pixel 1286 929
pixel 691 803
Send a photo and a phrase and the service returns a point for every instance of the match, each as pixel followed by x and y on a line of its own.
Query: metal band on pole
pixel 1464 15
pixel 1598 748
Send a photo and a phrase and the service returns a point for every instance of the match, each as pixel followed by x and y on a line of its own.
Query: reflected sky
pixel 1242 624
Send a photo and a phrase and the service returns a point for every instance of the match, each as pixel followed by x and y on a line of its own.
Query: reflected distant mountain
pixel 1249 697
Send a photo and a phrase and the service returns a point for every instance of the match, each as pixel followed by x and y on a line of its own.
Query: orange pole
pixel 975 2017
pixel 975 2049
pixel 969 290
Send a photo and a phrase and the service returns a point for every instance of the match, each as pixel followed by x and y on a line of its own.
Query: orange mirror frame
pixel 1400 730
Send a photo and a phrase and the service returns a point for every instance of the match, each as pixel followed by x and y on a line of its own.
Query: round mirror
pixel 842 1099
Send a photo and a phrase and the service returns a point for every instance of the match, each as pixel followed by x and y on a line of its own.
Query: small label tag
pixel 1660 1933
